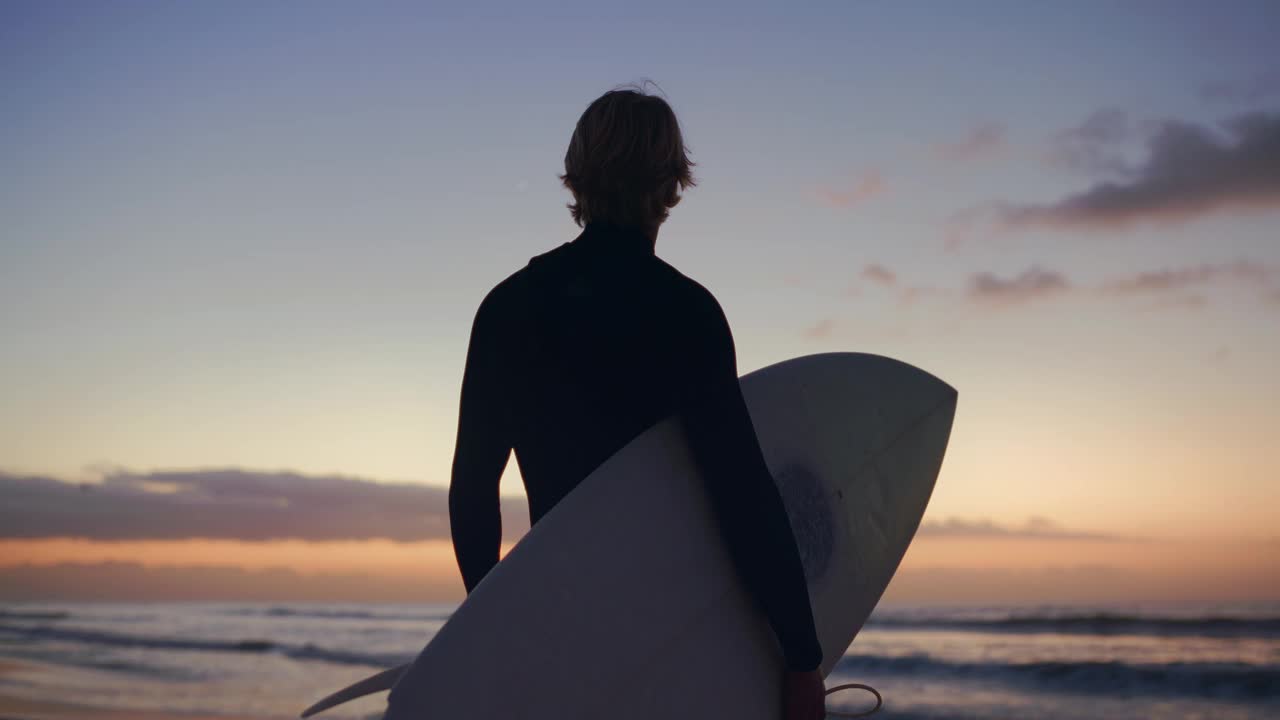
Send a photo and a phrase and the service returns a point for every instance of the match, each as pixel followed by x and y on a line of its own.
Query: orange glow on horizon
pixel 434 557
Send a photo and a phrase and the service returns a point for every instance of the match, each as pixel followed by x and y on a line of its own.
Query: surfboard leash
pixel 856 686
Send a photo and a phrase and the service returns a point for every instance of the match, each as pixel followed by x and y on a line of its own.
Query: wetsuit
pixel 575 355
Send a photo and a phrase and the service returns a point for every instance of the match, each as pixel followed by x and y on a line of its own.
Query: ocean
pixel 930 663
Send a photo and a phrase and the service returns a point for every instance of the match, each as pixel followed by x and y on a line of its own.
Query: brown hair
pixel 626 161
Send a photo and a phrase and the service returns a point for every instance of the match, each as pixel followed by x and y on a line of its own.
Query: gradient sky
pixel 251 236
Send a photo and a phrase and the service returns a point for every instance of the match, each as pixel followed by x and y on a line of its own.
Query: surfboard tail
pixel 372 684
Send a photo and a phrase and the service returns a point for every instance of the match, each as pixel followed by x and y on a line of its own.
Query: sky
pixel 241 246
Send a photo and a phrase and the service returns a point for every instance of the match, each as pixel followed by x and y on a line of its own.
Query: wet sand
pixel 17 708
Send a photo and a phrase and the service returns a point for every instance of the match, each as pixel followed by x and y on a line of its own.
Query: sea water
pixel 273 659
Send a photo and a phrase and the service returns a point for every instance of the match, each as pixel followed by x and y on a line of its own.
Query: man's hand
pixel 803 696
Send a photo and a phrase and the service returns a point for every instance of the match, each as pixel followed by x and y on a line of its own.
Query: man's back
pixel 578 353
pixel 601 342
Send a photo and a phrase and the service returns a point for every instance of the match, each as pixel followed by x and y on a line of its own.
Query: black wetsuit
pixel 575 355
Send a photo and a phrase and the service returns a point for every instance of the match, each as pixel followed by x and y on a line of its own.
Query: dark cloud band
pixel 1190 170
pixel 230 504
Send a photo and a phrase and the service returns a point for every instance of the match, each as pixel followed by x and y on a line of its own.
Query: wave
pixel 1095 624
pixel 323 614
pixel 89 660
pixel 1216 680
pixel 34 615
pixel 306 651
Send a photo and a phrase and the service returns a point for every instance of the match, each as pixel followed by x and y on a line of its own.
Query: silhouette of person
pixel 595 341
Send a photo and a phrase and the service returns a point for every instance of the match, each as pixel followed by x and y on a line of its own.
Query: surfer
pixel 595 341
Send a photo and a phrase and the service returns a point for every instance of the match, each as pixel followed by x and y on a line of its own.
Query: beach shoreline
pixel 269 660
pixel 16 707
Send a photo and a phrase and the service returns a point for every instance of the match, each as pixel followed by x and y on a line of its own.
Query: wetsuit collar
pixel 614 239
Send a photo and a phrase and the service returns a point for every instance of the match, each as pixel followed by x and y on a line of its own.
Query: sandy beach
pixel 18 708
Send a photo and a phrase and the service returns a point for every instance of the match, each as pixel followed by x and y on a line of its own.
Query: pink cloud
pixel 879 274
pixel 1163 289
pixel 821 330
pixel 1031 284
pixel 1242 272
pixel 866 187
pixel 1035 528
pixel 982 141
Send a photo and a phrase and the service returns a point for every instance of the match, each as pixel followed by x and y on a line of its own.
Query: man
pixel 594 342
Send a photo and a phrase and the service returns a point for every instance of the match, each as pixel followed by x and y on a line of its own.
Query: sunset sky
pixel 241 246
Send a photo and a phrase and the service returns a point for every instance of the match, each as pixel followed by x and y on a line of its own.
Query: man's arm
pixel 481 452
pixel 752 517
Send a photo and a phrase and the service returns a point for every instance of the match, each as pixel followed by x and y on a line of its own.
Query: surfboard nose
pixel 909 415
pixel 874 430
pixel 911 391
pixel 874 397
pixel 913 459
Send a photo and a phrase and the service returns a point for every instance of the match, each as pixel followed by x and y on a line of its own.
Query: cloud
pixel 981 142
pixel 1166 280
pixel 866 187
pixel 1095 145
pixel 1167 288
pixel 1262 86
pixel 1035 528
pixel 1031 284
pixel 879 274
pixel 1082 584
pixel 1189 171
pixel 821 330
pixel 874 274
pixel 1107 125
pixel 230 504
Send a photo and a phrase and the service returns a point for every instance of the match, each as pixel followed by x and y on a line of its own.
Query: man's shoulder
pixel 512 290
pixel 503 296
pixel 692 293
pixel 545 259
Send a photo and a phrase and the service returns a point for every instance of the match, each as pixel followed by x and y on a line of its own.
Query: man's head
pixel 626 162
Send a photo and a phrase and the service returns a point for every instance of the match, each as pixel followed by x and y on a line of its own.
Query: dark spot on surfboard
pixel 809 511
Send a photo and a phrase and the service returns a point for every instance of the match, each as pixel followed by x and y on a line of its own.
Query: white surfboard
pixel 622 601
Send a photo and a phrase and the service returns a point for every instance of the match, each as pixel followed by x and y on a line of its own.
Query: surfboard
pixel 622 601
